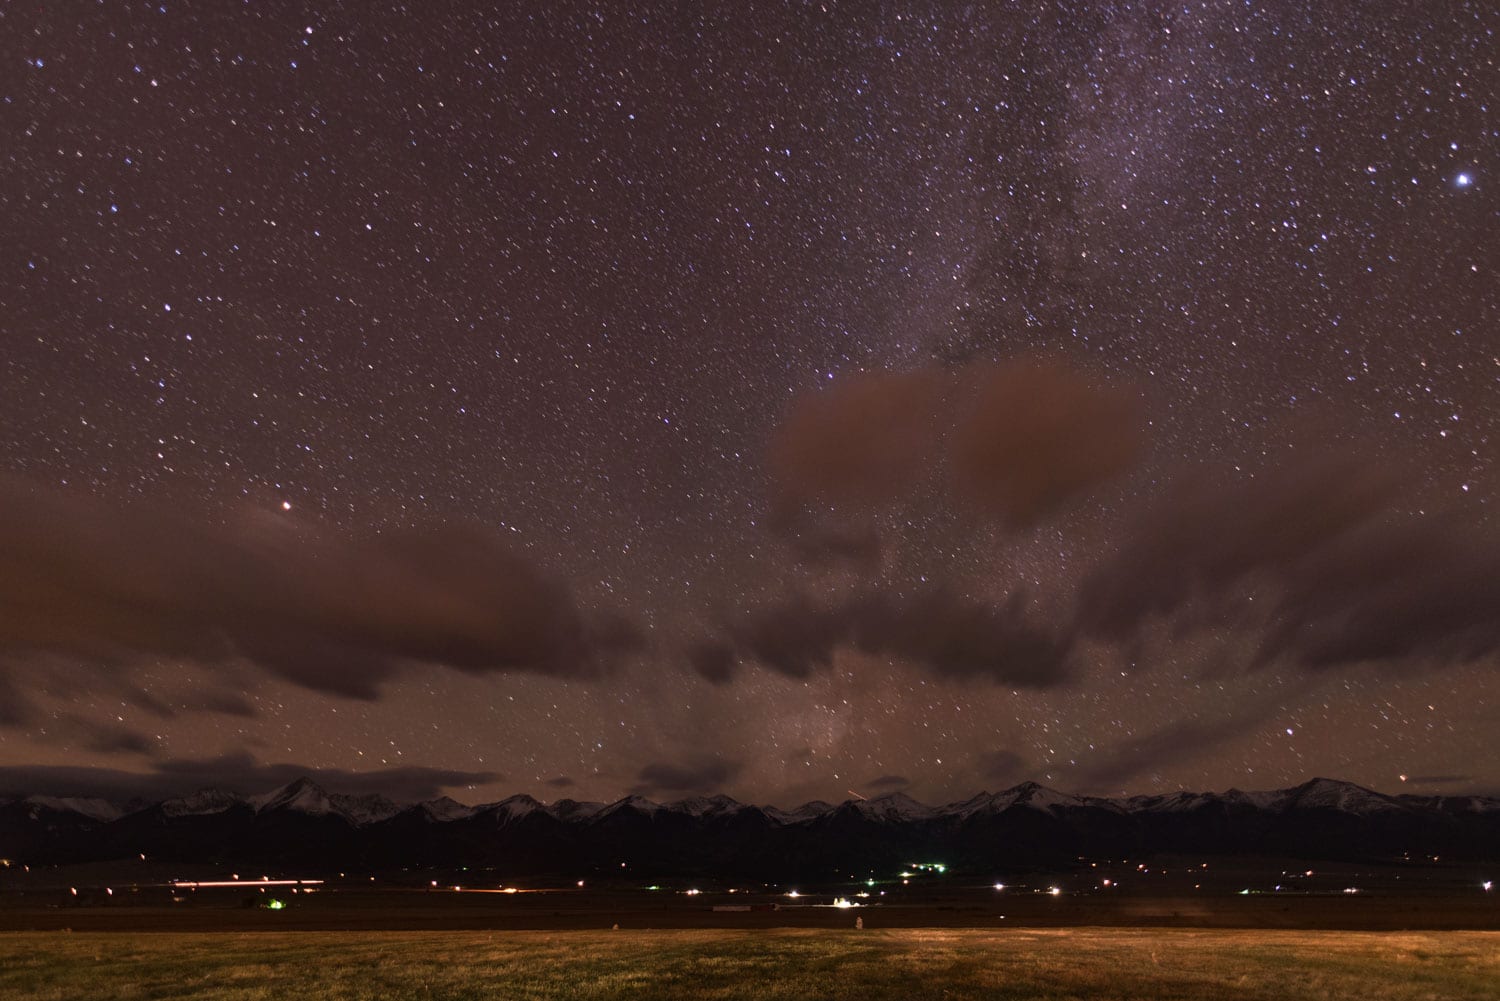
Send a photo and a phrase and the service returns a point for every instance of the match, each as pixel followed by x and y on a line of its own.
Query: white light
pixel 1055 891
pixel 999 886
pixel 841 903
pixel 794 894
pixel 193 884
pixel 1488 885
pixel 1463 180
pixel 286 505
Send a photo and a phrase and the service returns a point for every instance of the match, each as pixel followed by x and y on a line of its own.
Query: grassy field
pixel 1094 963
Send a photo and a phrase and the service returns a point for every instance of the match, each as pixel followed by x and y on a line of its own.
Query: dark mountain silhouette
pixel 302 824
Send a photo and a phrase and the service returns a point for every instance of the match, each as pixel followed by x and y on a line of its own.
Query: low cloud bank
pixel 81 579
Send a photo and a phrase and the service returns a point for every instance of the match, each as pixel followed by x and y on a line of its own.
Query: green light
pixel 275 905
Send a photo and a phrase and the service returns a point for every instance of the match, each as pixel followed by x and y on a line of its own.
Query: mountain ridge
pixel 303 823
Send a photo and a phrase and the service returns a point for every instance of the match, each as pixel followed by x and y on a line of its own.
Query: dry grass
pixel 1094 963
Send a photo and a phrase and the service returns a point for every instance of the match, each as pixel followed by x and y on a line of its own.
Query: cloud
pixel 713 660
pixel 1423 590
pixel 1018 440
pixel 1034 435
pixel 824 542
pixel 83 580
pixel 707 775
pixel 863 440
pixel 561 782
pixel 1177 742
pixel 889 782
pixel 1440 780
pixel 1203 538
pixel 1333 561
pixel 1004 767
pixel 937 629
pixel 15 708
pixel 107 737
pixel 232 772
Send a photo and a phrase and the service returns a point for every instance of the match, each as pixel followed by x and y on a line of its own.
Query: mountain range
pixel 304 825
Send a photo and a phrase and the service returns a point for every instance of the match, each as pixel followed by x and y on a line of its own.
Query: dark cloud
pixel 864 440
pixel 561 782
pixel 104 735
pixel 938 629
pixel 1440 780
pixel 228 703
pixel 889 782
pixel 1421 591
pixel 707 775
pixel 1333 561
pixel 113 738
pixel 15 708
pixel 825 541
pixel 714 661
pixel 83 580
pixel 232 772
pixel 1003 767
pixel 1034 435
pixel 1173 745
pixel 1018 440
pixel 1202 538
pixel 198 699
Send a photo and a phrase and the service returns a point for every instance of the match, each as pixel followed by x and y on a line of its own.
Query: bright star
pixel 1463 180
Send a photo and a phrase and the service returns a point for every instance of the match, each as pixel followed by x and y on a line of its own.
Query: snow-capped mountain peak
pixel 443 810
pixel 893 806
pixel 367 809
pixel 201 803
pixel 1331 794
pixel 513 808
pixel 301 796
pixel 703 806
pixel 91 807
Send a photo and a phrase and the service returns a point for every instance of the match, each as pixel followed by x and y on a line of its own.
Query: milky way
pixel 776 399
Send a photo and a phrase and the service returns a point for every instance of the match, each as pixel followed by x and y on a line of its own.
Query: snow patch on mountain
pixel 444 810
pixel 95 809
pixel 204 802
pixel 705 806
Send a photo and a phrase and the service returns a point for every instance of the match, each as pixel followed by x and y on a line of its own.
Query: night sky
pixel 778 399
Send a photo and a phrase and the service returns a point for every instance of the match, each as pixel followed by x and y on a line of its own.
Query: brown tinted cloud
pixel 939 630
pixel 1335 560
pixel 84 580
pixel 1016 440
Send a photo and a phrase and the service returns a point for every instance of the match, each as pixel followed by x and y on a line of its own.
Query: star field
pixel 293 292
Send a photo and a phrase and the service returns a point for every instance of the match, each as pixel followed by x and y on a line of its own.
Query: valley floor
pixel 1114 964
